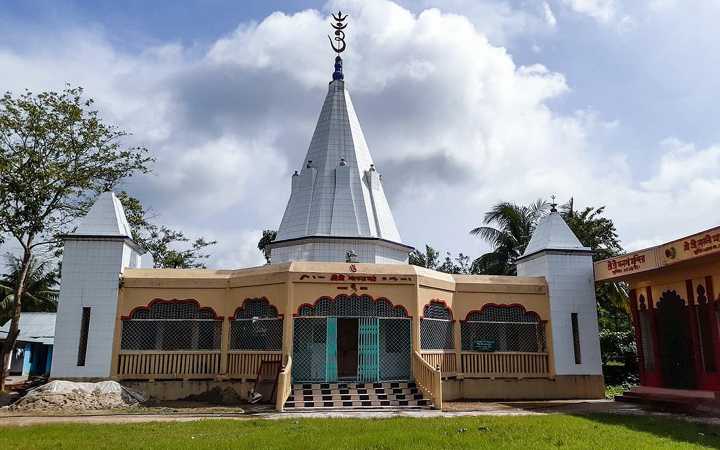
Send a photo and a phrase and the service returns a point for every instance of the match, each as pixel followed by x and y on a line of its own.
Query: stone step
pixel 422 403
pixel 362 397
pixel 340 385
pixel 392 391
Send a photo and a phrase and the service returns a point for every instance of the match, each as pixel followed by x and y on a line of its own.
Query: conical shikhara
pixel 337 209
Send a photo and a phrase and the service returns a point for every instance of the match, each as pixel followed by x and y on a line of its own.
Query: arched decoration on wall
pixel 171 325
pixel 437 309
pixel 436 327
pixel 256 308
pixel 352 305
pixel 503 313
pixel 172 309
pixel 256 326
pixel 503 328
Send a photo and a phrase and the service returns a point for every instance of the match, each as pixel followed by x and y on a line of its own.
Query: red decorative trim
pixel 437 301
pixel 326 297
pixel 156 301
pixel 497 305
pixel 262 299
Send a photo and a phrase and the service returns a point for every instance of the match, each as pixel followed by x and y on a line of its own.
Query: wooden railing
pixel 284 384
pixel 245 364
pixel 447 360
pixel 428 379
pixel 168 365
pixel 505 364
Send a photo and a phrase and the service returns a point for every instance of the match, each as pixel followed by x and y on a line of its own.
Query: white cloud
pixel 549 16
pixel 600 10
pixel 452 121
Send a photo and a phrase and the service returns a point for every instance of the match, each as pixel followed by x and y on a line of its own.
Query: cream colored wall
pixel 287 286
pixel 674 277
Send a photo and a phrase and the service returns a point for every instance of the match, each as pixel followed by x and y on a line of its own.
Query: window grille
pixel 436 327
pixel 256 326
pixel 171 326
pixel 503 328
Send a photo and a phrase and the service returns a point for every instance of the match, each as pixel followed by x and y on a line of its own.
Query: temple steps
pixel 355 396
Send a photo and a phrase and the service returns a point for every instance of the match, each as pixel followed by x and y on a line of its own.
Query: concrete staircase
pixel 328 396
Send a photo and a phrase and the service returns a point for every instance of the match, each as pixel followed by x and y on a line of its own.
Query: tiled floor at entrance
pixel 356 395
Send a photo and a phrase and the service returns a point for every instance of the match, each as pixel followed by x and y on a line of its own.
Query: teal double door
pixel 352 350
pixel 330 349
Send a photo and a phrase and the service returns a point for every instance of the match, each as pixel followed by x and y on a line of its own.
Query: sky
pixel 464 103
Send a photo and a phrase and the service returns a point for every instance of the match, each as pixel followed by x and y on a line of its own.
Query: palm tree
pixel 508 229
pixel 41 294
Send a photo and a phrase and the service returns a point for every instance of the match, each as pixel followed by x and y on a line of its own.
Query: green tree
pixel 56 156
pixel 430 259
pixel 508 229
pixel 169 248
pixel 41 294
pixel 264 243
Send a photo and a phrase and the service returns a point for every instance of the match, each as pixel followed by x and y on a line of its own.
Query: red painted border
pixel 334 299
pixel 497 305
pixel 156 301
pixel 437 301
pixel 262 299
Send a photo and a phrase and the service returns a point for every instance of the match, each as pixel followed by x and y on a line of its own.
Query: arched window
pixel 171 325
pixel 256 325
pixel 503 328
pixel 436 327
pixel 352 306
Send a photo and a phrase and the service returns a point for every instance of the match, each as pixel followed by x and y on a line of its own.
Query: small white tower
pixel 94 256
pixel 556 253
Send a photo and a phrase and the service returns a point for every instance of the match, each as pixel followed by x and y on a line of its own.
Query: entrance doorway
pixel 347 348
pixel 675 342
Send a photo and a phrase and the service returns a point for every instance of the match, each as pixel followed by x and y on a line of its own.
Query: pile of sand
pixel 62 395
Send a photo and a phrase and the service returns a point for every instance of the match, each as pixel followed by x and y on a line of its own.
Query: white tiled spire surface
pixel 338 192
pixel 552 233
pixel 105 218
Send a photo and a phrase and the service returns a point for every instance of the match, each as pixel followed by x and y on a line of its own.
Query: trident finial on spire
pixel 339 26
pixel 553 205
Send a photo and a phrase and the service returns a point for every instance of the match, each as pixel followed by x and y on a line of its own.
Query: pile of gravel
pixel 62 395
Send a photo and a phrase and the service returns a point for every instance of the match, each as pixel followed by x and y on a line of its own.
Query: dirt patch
pixel 68 396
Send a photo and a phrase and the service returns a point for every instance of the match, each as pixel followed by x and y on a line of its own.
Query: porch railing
pixel 428 379
pixel 245 364
pixel 505 364
pixel 284 384
pixel 168 365
pixel 445 359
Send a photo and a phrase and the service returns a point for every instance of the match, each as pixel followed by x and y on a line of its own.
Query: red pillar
pixel 635 317
pixel 656 379
pixel 710 292
pixel 694 334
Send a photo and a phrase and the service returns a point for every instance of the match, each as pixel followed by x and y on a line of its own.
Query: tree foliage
pixel 41 293
pixel 56 156
pixel 169 248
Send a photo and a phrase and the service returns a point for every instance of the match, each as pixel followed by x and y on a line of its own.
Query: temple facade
pixel 338 319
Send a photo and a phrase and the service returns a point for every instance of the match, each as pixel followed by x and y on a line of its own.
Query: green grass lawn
pixel 524 432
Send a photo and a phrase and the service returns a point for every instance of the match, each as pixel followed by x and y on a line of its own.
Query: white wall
pixel 572 290
pixel 90 278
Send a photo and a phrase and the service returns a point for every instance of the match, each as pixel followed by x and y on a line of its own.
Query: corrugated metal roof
pixel 34 327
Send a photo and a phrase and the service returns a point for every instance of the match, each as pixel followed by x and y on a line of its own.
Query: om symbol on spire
pixel 339 40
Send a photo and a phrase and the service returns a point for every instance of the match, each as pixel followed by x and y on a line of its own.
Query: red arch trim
pixel 498 305
pixel 437 301
pixel 156 301
pixel 262 299
pixel 327 297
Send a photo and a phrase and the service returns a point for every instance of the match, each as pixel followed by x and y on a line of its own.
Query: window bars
pixel 503 329
pixel 171 326
pixel 436 327
pixel 256 326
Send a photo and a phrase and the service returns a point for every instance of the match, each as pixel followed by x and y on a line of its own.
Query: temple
pixel 338 319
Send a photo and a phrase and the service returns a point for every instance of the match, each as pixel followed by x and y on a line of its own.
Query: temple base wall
pixel 561 387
